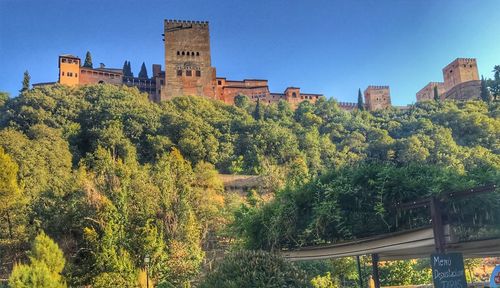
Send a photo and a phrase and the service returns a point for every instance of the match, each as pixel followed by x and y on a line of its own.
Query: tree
pixel 485 93
pixel 436 93
pixel 325 281
pixel 255 269
pixel 241 101
pixel 127 69
pixel 257 113
pixel 495 83
pixel 46 264
pixel 88 60
pixel 9 189
pixel 26 82
pixel 4 96
pixel 144 72
pixel 361 106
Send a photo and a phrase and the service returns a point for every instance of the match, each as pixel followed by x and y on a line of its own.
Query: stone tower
pixel 377 97
pixel 188 69
pixel 459 71
pixel 69 68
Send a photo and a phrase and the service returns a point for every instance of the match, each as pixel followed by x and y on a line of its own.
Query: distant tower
pixel 188 69
pixel 459 71
pixel 377 97
pixel 69 70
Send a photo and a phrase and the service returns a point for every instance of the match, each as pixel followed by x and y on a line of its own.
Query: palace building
pixel 461 82
pixel 189 71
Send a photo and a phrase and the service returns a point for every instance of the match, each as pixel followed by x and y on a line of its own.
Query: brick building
pixel 377 97
pixel 189 71
pixel 427 93
pixel 461 82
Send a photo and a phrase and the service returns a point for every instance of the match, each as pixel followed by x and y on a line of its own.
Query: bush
pixel 255 269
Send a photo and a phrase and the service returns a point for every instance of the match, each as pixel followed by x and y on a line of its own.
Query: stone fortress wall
pixel 461 82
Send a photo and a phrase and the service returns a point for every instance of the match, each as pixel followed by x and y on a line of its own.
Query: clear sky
pixel 330 47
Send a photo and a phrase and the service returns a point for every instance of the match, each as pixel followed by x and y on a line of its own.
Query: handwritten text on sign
pixel 448 270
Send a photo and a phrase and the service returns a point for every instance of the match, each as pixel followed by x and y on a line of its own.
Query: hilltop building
pixel 427 93
pixel 461 82
pixel 377 97
pixel 189 71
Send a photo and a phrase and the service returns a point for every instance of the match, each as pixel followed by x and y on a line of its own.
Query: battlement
pixel 348 104
pixel 171 22
pixel 458 61
pixel 466 60
pixel 377 87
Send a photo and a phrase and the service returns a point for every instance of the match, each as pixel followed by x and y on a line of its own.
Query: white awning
pixel 412 244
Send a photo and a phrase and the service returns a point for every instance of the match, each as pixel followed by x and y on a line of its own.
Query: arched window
pixel 183 53
pixel 294 95
pixel 197 53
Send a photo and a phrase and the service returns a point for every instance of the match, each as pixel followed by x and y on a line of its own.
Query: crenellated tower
pixel 459 71
pixel 377 97
pixel 188 67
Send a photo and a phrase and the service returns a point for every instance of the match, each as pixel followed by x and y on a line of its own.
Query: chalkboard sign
pixel 495 278
pixel 448 270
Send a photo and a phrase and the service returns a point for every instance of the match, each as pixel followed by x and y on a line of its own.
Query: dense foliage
pixel 112 177
pixel 44 271
pixel 255 269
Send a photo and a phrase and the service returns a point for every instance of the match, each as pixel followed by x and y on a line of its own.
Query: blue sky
pixel 330 47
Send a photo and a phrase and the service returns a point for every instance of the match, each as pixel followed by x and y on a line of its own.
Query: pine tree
pixel 257 114
pixel 26 81
pixel 436 93
pixel 485 93
pixel 47 262
pixel 143 73
pixel 88 60
pixel 130 73
pixel 361 106
pixel 125 68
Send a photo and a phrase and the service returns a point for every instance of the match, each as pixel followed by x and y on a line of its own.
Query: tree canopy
pixel 112 177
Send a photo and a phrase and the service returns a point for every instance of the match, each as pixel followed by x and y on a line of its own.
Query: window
pixel 63 73
pixel 183 53
pixel 294 95
pixel 63 60
pixel 179 72
pixel 197 53
pixel 76 74
pixel 188 73
pixel 219 82
pixel 178 53
pixel 192 53
pixel 198 73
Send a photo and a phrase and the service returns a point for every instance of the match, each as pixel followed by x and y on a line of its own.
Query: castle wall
pixel 377 97
pixel 188 68
pixel 464 91
pixel 95 76
pixel 427 93
pixel 459 71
